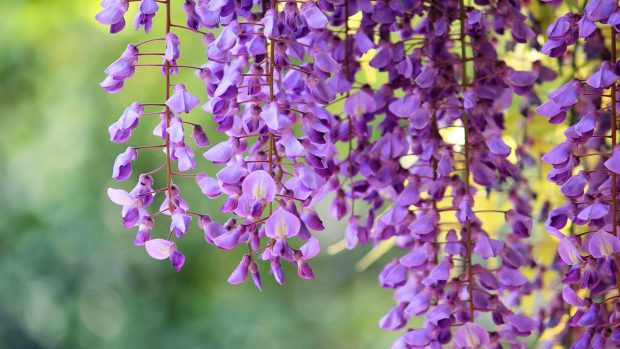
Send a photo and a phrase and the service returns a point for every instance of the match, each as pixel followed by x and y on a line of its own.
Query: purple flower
pixel 159 248
pixel 599 10
pixel 319 91
pixel 324 61
pixel 124 67
pixel 311 248
pixel 314 17
pixel 111 85
pixel 471 336
pixel 208 185
pixel 184 156
pixel 120 131
pixel 571 297
pixel 241 271
pixel 487 247
pixel 123 198
pixel 112 14
pixel 220 153
pixel 603 77
pixel 282 225
pixel 613 163
pixel 179 222
pixel 359 103
pixel 255 275
pixel 200 137
pixel 303 269
pixel 419 304
pixel 122 165
pixel 172 50
pixel 394 320
pixel 274 119
pixel 426 78
pixel 175 130
pixel 177 259
pixel 224 239
pixel 147 10
pixel 559 155
pixel 603 245
pixel 260 186
pixel 393 275
pixel 521 324
pixel 568 94
pixel 181 101
pixel 573 188
pixel 569 252
pixel 418 338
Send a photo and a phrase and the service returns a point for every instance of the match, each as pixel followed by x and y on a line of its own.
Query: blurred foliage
pixel 71 276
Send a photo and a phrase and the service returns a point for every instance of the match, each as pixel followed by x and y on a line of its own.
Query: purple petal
pixel 603 77
pixel 569 252
pixel 208 185
pixel 571 297
pixel 471 335
pixel 613 163
pixel 359 103
pixel 177 259
pixel 228 240
pixel 159 248
pixel 603 244
pixel 394 320
pixel 311 248
pixel 282 224
pixel 181 101
pixel 315 18
pixel 121 197
pixel 122 165
pixel 220 153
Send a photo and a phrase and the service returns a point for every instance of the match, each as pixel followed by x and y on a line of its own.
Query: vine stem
pixel 614 132
pixel 468 242
pixel 434 162
pixel 272 50
pixel 167 114
pixel 347 71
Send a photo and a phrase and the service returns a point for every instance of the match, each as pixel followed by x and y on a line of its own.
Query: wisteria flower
pixel 260 186
pixel 182 101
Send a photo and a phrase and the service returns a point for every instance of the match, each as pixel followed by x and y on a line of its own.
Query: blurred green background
pixel 70 276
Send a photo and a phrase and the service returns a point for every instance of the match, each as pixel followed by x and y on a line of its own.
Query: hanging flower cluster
pixel 271 71
pixel 275 71
pixel 422 189
pixel 585 166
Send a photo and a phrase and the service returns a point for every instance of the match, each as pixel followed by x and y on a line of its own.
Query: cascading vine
pixel 423 147
pixel 422 180
pixel 586 165
pixel 170 129
pixel 269 74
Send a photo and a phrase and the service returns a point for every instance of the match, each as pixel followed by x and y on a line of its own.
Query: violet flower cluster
pixel 275 73
pixel 422 189
pixel 586 166
pixel 271 70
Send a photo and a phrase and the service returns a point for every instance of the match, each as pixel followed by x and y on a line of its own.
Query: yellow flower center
pixel 281 229
pixel 259 191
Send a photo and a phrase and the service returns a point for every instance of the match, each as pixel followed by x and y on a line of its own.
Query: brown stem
pixel 188 28
pixel 614 132
pixel 167 115
pixel 147 41
pixel 468 237
pixel 149 146
pixel 156 170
